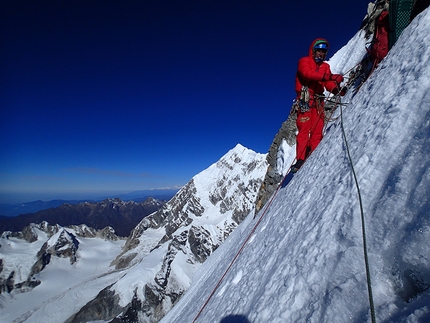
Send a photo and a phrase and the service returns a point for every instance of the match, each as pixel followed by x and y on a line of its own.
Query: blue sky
pixel 105 95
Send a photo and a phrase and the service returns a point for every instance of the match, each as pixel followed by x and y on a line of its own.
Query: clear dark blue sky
pixel 129 95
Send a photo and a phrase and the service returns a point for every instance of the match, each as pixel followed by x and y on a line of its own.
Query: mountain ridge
pixel 120 215
pixel 16 209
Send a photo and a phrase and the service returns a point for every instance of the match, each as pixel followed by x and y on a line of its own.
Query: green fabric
pixel 400 15
pixel 320 42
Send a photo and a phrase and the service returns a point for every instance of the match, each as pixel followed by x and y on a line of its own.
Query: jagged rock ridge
pixel 166 247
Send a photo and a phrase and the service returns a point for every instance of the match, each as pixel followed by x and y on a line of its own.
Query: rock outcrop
pixel 274 173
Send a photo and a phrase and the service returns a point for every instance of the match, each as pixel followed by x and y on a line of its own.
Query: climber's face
pixel 319 55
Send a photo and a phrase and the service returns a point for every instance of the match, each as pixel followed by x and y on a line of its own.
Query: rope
pixel 363 227
pixel 335 99
pixel 351 69
pixel 328 119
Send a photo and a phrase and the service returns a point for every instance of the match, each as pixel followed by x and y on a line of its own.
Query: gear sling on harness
pixel 302 102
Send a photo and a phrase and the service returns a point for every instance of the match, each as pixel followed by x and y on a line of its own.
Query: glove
pixel 343 90
pixel 338 78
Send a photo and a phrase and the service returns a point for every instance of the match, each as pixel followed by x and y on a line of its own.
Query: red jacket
pixel 380 45
pixel 314 75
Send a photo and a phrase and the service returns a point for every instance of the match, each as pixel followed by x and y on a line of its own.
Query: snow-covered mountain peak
pixel 235 185
pixel 170 244
pixel 237 161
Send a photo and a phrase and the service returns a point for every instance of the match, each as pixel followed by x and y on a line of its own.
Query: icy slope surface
pixel 304 262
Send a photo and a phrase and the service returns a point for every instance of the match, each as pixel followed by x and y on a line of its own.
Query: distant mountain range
pixel 122 216
pixel 14 209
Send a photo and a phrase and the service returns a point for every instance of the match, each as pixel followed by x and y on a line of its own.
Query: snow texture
pixel 64 288
pixel 304 261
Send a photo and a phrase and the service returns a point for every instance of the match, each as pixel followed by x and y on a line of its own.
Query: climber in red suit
pixel 313 75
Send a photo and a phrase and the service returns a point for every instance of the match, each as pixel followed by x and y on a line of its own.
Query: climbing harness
pixel 302 103
pixel 363 227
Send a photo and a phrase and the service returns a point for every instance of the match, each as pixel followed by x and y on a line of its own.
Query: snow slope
pixel 64 287
pixel 304 261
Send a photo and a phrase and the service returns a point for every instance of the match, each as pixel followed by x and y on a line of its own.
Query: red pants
pixel 310 125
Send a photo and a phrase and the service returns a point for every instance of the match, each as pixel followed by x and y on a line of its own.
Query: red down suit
pixel 310 124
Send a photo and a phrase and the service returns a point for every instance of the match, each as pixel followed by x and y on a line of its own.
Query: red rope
pixel 238 253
